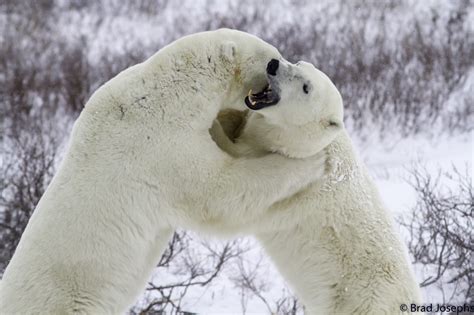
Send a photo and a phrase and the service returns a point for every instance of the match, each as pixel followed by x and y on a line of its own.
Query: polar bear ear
pixel 228 50
pixel 323 133
pixel 334 123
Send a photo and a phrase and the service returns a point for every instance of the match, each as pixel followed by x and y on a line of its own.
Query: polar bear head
pixel 246 57
pixel 297 114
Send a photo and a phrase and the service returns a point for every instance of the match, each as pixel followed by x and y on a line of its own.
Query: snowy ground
pixel 389 160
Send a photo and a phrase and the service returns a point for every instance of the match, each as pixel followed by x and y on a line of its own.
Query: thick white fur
pixel 140 163
pixel 334 241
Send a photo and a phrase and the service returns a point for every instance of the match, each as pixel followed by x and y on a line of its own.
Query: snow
pixel 391 165
pixel 389 160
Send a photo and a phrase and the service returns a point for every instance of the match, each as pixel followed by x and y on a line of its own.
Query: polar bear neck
pixel 257 138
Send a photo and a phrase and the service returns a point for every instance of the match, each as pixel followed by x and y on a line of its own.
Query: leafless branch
pixel 440 230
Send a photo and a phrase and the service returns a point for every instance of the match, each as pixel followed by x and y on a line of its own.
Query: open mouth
pixel 266 97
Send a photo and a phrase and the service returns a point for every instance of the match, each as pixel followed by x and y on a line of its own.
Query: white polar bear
pixel 333 242
pixel 140 163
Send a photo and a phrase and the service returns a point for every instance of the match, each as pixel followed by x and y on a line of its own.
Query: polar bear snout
pixel 270 95
pixel 272 67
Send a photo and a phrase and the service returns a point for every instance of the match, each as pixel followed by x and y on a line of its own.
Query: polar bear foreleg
pixel 244 188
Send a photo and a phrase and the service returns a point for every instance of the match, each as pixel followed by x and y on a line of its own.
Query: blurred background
pixel 404 69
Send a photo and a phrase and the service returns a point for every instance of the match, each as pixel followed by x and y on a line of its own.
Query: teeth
pixel 260 96
pixel 249 95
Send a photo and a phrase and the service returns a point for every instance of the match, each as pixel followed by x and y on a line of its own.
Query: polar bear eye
pixel 306 88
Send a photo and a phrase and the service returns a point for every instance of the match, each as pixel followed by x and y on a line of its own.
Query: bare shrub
pixel 440 233
pixel 253 282
pixel 193 263
pixel 26 167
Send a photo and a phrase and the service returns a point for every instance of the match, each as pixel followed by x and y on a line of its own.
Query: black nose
pixel 272 67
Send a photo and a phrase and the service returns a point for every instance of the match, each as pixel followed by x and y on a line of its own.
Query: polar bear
pixel 334 241
pixel 139 164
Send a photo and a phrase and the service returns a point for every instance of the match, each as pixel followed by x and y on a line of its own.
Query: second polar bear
pixel 333 242
pixel 141 163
